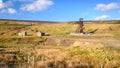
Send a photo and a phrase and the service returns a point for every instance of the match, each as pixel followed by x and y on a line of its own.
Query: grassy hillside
pixel 59 50
pixel 96 27
pixel 66 28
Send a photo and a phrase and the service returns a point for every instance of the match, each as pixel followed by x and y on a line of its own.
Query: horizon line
pixel 54 21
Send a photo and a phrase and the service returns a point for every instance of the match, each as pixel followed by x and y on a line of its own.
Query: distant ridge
pixel 100 20
pixel 87 21
pixel 35 21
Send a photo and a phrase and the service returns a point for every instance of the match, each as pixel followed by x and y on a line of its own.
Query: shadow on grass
pixel 93 31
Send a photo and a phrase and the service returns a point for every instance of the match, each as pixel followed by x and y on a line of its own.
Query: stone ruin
pixel 23 33
pixel 40 33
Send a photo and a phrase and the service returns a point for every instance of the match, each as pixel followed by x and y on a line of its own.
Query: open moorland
pixel 58 49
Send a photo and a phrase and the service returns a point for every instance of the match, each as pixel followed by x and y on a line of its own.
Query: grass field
pixel 59 50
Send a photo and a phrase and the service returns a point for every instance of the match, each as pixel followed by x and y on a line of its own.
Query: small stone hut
pixel 40 34
pixel 23 33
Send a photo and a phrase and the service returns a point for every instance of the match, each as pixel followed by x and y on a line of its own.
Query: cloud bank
pixel 26 5
pixel 37 5
pixel 5 7
pixel 102 17
pixel 11 11
pixel 106 7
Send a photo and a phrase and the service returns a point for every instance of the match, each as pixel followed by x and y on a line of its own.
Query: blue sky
pixel 60 10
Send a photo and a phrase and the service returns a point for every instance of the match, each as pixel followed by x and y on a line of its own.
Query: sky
pixel 60 10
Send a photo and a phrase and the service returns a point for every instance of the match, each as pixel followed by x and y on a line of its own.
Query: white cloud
pixel 37 5
pixel 106 7
pixel 6 4
pixel 102 17
pixel 1 4
pixel 5 7
pixel 11 11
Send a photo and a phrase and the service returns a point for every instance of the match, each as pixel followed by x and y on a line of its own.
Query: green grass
pixel 21 40
pixel 2 28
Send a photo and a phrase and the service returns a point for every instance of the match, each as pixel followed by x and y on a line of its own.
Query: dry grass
pixel 91 56
pixel 78 57
pixel 65 28
pixel 54 29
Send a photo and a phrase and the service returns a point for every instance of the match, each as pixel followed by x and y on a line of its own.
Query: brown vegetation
pixel 60 50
